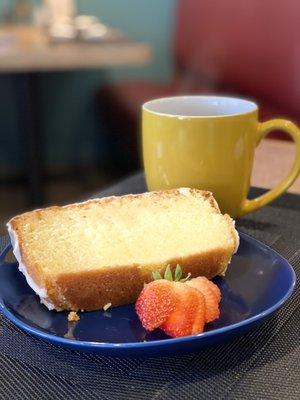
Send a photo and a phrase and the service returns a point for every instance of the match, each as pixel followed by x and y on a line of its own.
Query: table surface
pixel 263 364
pixel 27 49
pixel 272 162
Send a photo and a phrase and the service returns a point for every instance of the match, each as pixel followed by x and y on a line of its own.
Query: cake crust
pixel 91 290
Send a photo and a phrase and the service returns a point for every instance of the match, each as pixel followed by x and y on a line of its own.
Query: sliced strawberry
pixel 188 316
pixel 155 303
pixel 212 296
pixel 202 280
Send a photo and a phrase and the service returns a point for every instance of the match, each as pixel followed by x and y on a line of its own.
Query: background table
pixel 27 52
pixel 27 48
pixel 263 364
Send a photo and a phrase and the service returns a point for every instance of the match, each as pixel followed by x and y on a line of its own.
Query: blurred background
pixel 73 75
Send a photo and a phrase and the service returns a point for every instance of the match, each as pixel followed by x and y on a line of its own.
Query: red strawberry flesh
pixel 155 303
pixel 188 316
pixel 211 295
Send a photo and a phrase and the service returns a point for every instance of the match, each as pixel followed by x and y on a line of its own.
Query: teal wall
pixel 70 128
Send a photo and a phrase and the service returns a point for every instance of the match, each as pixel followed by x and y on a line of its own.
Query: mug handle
pixel 263 129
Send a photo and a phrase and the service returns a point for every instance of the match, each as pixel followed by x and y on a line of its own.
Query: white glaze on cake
pixel 40 291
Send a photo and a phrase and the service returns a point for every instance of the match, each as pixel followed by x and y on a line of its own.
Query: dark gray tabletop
pixel 263 364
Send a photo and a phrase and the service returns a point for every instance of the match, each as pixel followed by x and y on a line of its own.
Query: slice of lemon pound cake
pixel 86 255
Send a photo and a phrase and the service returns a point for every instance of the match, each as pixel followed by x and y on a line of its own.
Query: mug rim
pixel 252 104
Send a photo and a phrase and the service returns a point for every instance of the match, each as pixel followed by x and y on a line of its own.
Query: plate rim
pixel 81 344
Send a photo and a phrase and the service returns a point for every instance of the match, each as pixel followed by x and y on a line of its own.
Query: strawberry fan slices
pixel 180 307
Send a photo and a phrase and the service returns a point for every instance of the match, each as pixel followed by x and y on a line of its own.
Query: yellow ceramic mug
pixel 208 142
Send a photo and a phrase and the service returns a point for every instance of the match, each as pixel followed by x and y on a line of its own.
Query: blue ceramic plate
pixel 257 283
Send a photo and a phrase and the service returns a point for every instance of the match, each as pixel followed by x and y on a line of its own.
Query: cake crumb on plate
pixel 73 316
pixel 106 306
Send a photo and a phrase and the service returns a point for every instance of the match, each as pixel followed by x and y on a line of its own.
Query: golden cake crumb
pixel 73 316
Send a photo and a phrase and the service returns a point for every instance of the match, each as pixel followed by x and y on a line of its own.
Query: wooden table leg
pixel 29 112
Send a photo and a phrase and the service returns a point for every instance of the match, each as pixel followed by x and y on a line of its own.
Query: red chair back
pixel 251 46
